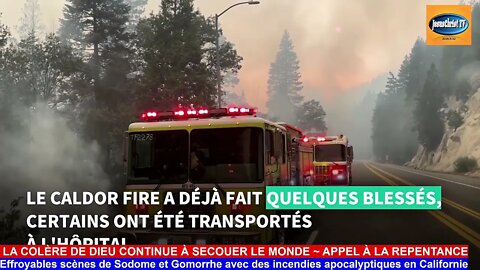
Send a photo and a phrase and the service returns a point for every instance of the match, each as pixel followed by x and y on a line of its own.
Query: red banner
pixel 236 251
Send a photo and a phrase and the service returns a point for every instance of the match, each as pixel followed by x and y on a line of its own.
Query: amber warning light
pixel 182 113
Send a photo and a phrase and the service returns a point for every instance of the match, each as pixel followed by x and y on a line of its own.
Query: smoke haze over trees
pixel 137 8
pixel 285 102
pixel 428 117
pixel 177 52
pixel 284 83
pixel 66 99
pixel 30 24
pixel 410 112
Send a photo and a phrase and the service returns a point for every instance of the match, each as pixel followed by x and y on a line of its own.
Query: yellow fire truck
pixel 229 149
pixel 333 157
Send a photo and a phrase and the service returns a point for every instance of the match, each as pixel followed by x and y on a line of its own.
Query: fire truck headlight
pixel 335 172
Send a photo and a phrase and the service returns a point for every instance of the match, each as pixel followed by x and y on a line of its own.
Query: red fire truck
pixel 333 157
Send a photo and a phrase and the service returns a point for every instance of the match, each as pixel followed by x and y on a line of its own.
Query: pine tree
pixel 97 28
pixel 40 70
pixel 4 34
pixel 97 31
pixel 176 47
pixel 391 140
pixel 137 8
pixel 311 116
pixel 30 24
pixel 6 99
pixel 230 78
pixel 408 75
pixel 403 74
pixel 428 118
pixel 284 83
pixel 30 27
pixel 416 69
pixel 393 84
pixel 383 128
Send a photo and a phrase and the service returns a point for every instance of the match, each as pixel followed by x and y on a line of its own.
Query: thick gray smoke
pixel 41 152
pixel 470 73
pixel 351 114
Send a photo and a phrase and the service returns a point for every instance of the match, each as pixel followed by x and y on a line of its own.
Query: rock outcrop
pixel 456 143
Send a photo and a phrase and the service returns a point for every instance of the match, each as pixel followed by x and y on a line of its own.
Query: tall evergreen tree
pixel 6 97
pixel 137 8
pixel 428 118
pixel 406 75
pixel 97 31
pixel 403 74
pixel 4 34
pixel 284 83
pixel 416 69
pixel 30 23
pixel 383 128
pixel 40 71
pixel 230 78
pixel 97 28
pixel 178 54
pixel 389 137
pixel 393 84
pixel 30 27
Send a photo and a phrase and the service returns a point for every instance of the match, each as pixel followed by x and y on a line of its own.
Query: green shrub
pixel 11 232
pixel 455 120
pixel 463 91
pixel 465 164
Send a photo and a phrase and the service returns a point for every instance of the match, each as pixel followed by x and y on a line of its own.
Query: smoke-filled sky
pixel 340 44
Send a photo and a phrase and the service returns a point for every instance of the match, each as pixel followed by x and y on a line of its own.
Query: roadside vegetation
pixel 465 165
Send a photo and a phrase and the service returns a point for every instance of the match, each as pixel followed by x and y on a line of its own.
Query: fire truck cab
pixel 333 157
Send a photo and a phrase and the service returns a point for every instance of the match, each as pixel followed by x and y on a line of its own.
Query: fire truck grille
pixel 321 174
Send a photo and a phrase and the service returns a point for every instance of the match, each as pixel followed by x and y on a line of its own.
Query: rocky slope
pixel 456 143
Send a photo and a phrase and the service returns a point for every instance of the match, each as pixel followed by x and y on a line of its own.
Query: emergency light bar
pixel 319 139
pixel 182 113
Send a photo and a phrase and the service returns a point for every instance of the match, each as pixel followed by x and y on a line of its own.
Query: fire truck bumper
pixel 190 237
pixel 339 180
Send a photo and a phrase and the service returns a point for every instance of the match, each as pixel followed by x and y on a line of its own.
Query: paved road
pixel 457 223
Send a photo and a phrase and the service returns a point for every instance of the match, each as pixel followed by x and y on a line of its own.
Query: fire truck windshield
pixel 219 155
pixel 330 152
pixel 226 155
pixel 160 156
